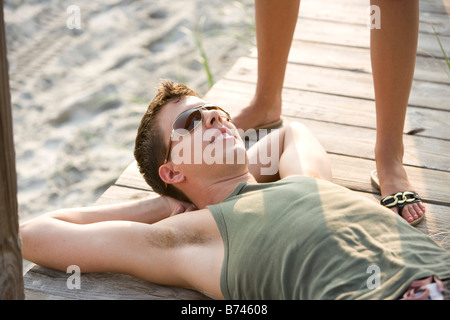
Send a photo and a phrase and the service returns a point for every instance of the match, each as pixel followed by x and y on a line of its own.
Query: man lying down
pixel 289 234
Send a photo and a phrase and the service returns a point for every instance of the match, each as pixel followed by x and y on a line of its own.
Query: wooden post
pixel 11 279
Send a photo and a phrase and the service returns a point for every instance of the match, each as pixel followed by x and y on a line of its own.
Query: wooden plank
pixel 358 60
pixel 441 7
pixel 357 12
pixel 354 173
pixel 43 283
pixel 304 104
pixel 343 83
pixel 11 282
pixel 356 35
pixel 117 193
pixel 131 177
pixel 437 6
pixel 359 142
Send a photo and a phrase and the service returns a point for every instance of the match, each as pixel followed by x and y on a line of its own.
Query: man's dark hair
pixel 150 147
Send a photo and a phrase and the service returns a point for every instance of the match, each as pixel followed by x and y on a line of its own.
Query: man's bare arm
pixel 160 252
pixel 294 150
pixel 147 210
pixel 303 154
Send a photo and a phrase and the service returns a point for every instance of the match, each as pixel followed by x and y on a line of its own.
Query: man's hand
pixel 176 206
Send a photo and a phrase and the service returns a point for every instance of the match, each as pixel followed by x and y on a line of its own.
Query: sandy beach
pixel 80 84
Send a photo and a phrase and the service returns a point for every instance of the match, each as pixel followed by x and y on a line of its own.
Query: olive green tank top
pixel 303 238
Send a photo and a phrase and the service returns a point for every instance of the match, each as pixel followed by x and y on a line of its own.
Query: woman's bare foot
pixel 257 114
pixel 393 179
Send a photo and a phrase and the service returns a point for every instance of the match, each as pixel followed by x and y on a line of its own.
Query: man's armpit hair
pixel 169 238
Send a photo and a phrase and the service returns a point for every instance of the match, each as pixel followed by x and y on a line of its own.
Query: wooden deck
pixel 328 87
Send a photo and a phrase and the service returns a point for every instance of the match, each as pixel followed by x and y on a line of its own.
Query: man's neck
pixel 217 191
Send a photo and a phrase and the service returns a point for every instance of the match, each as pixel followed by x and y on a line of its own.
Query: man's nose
pixel 211 118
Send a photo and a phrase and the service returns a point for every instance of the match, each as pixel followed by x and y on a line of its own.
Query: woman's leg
pixel 393 54
pixel 275 24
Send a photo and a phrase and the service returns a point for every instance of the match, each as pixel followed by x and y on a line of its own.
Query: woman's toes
pixel 408 214
pixel 421 208
pixel 413 211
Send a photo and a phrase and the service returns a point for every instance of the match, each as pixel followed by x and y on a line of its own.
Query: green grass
pixel 243 34
pixel 442 49
pixel 198 40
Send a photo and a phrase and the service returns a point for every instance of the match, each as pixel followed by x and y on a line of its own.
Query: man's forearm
pixel 144 210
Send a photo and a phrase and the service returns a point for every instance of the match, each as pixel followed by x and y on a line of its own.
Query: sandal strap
pixel 400 199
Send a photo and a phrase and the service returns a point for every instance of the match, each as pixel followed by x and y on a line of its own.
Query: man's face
pixel 213 149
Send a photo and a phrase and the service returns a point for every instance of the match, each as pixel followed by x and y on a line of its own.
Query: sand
pixel 78 94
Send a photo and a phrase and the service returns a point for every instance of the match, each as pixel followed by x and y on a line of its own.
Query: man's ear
pixel 169 175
